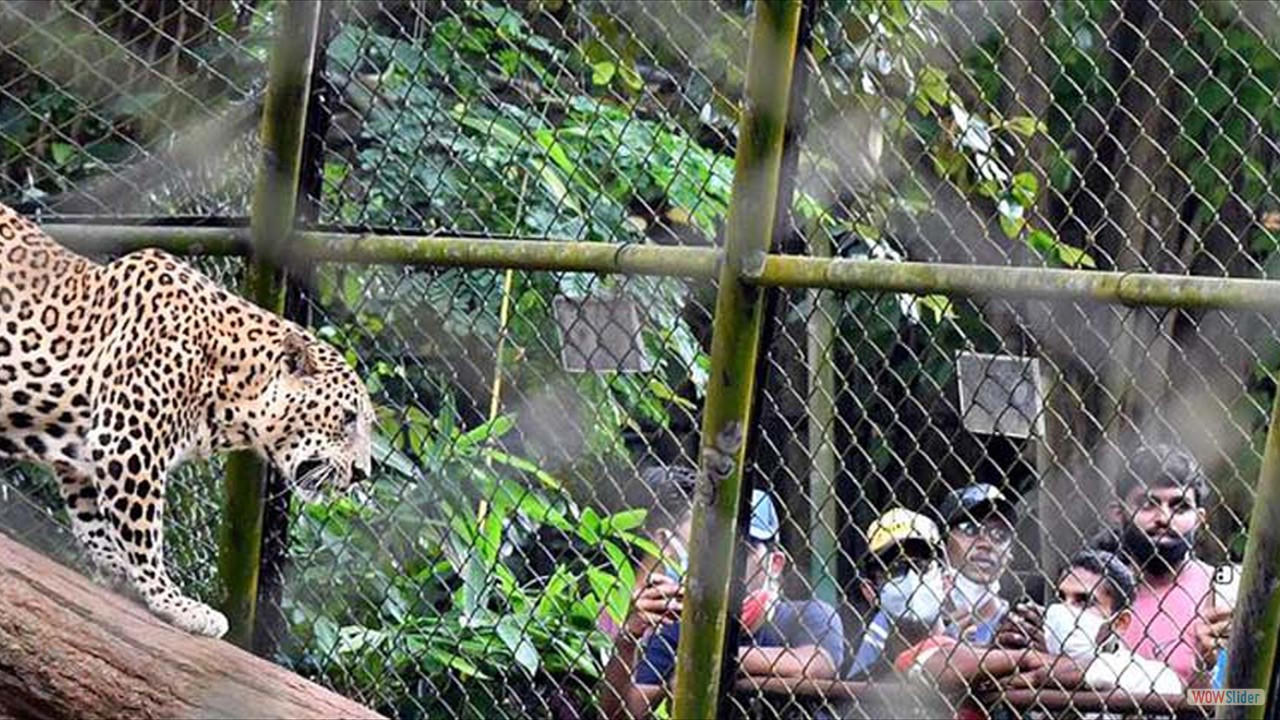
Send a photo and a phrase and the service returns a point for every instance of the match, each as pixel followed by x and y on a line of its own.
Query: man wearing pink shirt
pixel 1159 507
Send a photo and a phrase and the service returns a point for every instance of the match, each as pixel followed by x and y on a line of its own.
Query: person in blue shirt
pixel 778 638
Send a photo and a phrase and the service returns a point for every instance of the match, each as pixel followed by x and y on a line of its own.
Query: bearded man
pixel 1158 509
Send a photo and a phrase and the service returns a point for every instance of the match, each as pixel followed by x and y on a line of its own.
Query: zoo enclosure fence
pixel 486 312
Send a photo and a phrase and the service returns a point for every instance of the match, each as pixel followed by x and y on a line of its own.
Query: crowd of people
pixel 1134 610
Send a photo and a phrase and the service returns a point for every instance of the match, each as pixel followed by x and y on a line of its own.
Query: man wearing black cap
pixel 978 521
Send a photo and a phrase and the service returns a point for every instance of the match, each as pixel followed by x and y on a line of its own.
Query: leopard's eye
pixel 349 418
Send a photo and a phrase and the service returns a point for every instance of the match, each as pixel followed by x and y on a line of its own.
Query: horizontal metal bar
pixel 1181 291
pixel 435 251
pixel 557 255
pixel 777 270
pixel 186 241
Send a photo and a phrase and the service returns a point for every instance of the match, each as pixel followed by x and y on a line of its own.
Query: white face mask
pixel 1072 632
pixel 914 597
pixel 676 562
pixel 967 594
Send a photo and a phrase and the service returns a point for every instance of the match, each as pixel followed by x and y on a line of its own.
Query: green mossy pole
pixel 995 281
pixel 1190 292
pixel 275 193
pixel 734 354
pixel 823 516
pixel 1252 651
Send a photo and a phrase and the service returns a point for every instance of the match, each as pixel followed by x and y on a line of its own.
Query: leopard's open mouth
pixel 308 473
pixel 309 477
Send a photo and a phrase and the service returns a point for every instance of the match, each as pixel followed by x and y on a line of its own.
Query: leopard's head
pixel 317 418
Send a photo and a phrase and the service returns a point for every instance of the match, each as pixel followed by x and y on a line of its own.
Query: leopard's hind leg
pixel 88 525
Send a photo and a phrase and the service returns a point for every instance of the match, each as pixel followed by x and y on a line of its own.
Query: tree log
pixel 72 649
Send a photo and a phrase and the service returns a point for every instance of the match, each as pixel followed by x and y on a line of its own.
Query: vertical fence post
pixel 734 354
pixel 1251 655
pixel 784 237
pixel 270 624
pixel 284 116
pixel 824 516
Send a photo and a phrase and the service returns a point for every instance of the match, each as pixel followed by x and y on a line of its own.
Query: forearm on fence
pixel 809 661
pixel 620 697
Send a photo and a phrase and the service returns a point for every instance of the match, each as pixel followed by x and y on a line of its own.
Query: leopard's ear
pixel 298 358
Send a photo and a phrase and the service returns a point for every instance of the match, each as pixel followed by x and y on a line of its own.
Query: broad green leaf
pixel 618 600
pixel 641 543
pixel 1075 257
pixel 1011 227
pixel 555 594
pixel 939 306
pixel 934 86
pixel 1024 125
pixel 493 526
pixel 519 463
pixel 589 527
pixel 547 139
pixel 617 557
pixel 1042 242
pixel 62 152
pixel 625 520
pixel 602 72
pixel 1025 188
pixel 484 432
pixel 385 454
pixel 556 187
pixel 663 392
pixel 492 128
pixel 474 590
pixel 1011 218
pixel 456 662
pixel 630 77
pixel 603 584
pixel 326 633
pixel 511 631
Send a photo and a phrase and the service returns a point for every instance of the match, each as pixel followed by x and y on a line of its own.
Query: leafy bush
pixel 450 575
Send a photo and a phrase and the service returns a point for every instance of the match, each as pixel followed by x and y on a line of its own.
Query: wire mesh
pixel 487 568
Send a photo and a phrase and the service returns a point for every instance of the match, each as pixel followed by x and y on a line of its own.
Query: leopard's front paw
pixel 193 616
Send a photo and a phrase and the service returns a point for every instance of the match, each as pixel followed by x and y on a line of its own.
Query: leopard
pixel 116 371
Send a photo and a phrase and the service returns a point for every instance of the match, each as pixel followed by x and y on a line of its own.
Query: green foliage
pixel 449 577
pixel 63 122
pixel 443 145
pixel 467 561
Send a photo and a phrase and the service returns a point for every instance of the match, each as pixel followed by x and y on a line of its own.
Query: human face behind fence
pixel 1083 591
pixel 1158 525
pixel 907 584
pixel 979 549
pixel 673 548
pixel 765 565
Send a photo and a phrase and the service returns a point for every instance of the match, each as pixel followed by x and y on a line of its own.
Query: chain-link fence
pixel 489 568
